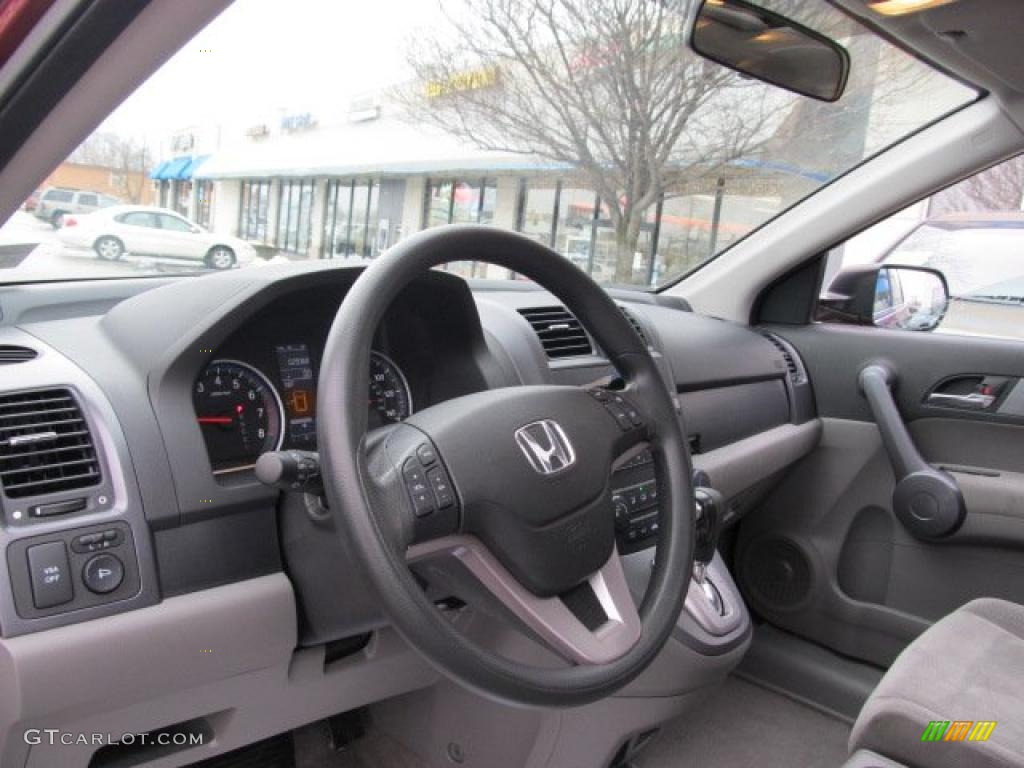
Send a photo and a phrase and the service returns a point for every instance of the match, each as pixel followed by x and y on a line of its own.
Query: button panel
pixel 624 412
pixel 635 504
pixel 429 489
pixel 74 569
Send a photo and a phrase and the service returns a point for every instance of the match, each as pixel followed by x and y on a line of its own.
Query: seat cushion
pixel 967 667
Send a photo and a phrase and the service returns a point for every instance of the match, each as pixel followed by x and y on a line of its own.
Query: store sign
pixel 470 80
pixel 300 122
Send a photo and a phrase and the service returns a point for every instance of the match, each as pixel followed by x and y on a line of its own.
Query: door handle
pixel 927 501
pixel 974 400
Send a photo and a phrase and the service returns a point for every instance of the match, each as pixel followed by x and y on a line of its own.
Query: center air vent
pixel 559 331
pixel 45 445
pixel 796 374
pixel 636 325
pixel 10 354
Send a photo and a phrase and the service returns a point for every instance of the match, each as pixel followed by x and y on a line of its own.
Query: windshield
pixel 315 129
pixel 981 260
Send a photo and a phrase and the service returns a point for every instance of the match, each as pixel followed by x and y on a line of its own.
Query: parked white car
pixel 148 231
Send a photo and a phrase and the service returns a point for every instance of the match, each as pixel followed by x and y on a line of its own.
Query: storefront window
pixel 335 243
pixel 351 220
pixel 460 202
pixel 254 211
pixel 574 226
pixel 538 217
pixel 294 216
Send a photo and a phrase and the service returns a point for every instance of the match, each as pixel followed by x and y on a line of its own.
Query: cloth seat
pixel 968 666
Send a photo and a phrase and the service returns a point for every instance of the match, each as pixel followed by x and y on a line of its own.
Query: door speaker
pixel 776 572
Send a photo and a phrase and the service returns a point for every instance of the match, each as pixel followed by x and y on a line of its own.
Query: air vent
pixel 10 354
pixel 559 331
pixel 636 325
pixel 45 445
pixel 795 373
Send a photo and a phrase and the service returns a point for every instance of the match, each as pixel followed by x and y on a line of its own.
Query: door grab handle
pixel 927 501
pixel 974 400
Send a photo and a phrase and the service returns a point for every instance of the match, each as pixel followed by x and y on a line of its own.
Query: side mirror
pixel 887 296
pixel 769 47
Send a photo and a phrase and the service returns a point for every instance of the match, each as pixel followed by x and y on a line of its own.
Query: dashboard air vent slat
pixel 10 354
pixel 636 325
pixel 45 444
pixel 560 333
pixel 795 374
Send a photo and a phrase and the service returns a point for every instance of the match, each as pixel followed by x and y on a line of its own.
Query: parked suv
pixel 56 202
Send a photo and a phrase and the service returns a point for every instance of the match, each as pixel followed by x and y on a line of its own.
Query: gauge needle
pixel 215 419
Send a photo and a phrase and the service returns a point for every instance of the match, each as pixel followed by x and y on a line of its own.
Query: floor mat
pixel 742 725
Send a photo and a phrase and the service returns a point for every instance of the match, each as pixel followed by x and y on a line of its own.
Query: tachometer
pixel 239 413
pixel 390 400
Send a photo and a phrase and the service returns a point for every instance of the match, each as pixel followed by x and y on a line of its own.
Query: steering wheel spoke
pixel 596 622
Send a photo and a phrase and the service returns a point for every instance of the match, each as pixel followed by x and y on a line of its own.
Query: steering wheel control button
pixel 99 540
pixel 442 488
pixel 427 454
pixel 48 568
pixel 419 490
pixel 103 574
pixel 623 411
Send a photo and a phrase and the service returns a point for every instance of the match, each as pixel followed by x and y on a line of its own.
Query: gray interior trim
pixel 736 467
pixel 808 672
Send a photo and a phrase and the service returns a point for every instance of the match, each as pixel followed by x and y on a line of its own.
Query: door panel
pixel 825 556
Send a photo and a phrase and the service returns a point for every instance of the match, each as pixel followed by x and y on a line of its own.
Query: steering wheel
pixel 510 487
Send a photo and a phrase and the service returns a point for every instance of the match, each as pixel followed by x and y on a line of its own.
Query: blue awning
pixel 175 167
pixel 178 169
pixel 158 172
pixel 189 170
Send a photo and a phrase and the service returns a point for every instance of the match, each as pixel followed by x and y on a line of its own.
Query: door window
pixel 174 224
pixel 972 232
pixel 138 219
pixel 90 200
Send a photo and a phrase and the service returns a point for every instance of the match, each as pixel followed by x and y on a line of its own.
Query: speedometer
pixel 390 399
pixel 239 413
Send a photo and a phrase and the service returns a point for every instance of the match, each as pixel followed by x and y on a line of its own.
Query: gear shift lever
pixel 708 527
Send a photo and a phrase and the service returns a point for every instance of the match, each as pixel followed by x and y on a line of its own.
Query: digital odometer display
pixel 239 413
pixel 298 386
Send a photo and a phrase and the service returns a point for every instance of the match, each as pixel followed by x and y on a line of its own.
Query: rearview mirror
pixel 769 47
pixel 890 296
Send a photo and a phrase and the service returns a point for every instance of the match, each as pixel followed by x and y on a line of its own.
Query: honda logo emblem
pixel 546 446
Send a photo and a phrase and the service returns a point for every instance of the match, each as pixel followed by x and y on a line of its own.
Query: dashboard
pixel 232 371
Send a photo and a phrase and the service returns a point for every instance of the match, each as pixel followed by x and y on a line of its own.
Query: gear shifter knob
pixel 708 524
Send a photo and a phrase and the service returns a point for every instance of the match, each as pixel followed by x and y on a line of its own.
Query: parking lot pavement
pixel 50 260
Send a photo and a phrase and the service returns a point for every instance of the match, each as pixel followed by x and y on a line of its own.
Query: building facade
pixel 302 186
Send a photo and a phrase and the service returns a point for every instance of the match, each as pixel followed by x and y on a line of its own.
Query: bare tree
pixel 1000 188
pixel 607 88
pixel 127 158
